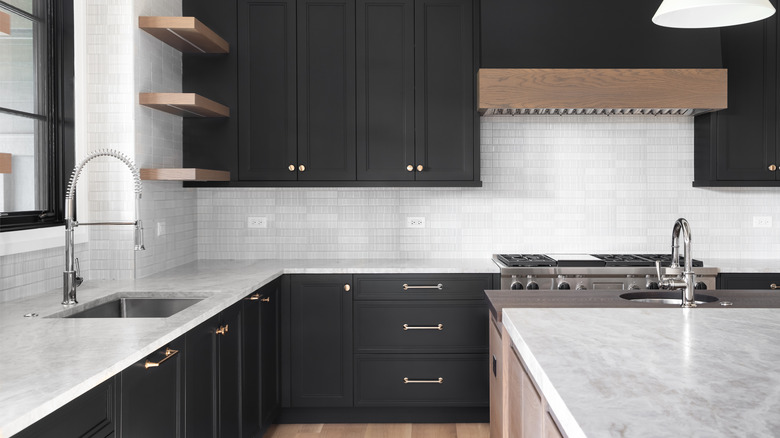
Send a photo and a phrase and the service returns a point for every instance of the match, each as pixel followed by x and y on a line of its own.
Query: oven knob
pixel 581 286
pixel 532 285
pixel 564 286
pixel 633 286
pixel 516 286
pixel 652 285
pixel 700 286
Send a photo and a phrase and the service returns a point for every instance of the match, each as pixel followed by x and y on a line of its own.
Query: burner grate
pixel 522 260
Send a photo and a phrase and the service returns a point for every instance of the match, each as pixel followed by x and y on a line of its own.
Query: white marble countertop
pixel 654 372
pixel 47 362
pixel 736 266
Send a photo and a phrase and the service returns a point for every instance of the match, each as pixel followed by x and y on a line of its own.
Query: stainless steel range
pixel 593 271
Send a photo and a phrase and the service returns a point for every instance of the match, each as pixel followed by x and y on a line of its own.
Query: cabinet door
pixel 385 90
pixel 496 367
pixel 201 380
pixel 267 83
pixel 320 341
pixel 746 137
pixel 444 97
pixel 151 396
pixel 230 372
pixel 326 90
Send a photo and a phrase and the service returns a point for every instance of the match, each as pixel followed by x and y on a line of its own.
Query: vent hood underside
pixel 510 92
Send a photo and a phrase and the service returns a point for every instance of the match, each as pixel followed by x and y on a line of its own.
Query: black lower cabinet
pixel 201 380
pixel 260 386
pixel 151 395
pixel 91 415
pixel 756 281
pixel 230 344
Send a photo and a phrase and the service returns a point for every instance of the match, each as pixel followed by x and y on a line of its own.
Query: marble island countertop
pixel 650 372
pixel 47 361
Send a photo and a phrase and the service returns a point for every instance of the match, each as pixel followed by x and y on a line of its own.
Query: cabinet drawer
pixel 422 286
pixel 421 326
pixel 763 281
pixel 380 380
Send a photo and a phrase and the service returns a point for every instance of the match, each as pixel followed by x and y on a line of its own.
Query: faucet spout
pixel 683 230
pixel 71 280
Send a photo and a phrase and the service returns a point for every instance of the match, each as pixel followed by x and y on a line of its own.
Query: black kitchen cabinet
pixel 152 396
pixel 759 281
pixel 738 146
pixel 230 345
pixel 267 133
pixel 319 314
pixel 261 385
pixel 201 366
pixel 93 415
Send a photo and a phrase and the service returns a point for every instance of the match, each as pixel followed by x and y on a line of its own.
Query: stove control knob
pixel 633 286
pixel 700 286
pixel 653 285
pixel 532 285
pixel 516 285
pixel 581 286
pixel 564 286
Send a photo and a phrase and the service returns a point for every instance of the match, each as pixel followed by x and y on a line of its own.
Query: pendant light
pixel 692 14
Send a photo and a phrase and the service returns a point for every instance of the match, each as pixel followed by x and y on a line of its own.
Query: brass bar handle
pixel 222 330
pixel 423 327
pixel 169 353
pixel 266 299
pixel 440 380
pixel 773 286
pixel 253 297
pixel 438 286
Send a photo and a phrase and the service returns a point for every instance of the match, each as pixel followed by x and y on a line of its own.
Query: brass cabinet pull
pixel 266 299
pixel 222 330
pixel 423 327
pixel 438 286
pixel 254 297
pixel 772 167
pixel 440 380
pixel 302 168
pixel 410 168
pixel 169 353
pixel 419 167
pixel 291 167
pixel 773 286
pixel 347 288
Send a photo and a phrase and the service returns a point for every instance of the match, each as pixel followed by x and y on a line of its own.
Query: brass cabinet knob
pixel 410 168
pixel 419 167
pixel 301 167
pixel 291 167
pixel 772 167
pixel 347 288
pixel 773 286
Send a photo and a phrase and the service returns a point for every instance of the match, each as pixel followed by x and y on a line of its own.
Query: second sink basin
pixel 670 297
pixel 136 308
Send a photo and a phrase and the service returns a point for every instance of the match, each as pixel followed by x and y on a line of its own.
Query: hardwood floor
pixel 376 430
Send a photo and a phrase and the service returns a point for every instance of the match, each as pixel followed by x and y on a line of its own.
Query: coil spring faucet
pixel 70 277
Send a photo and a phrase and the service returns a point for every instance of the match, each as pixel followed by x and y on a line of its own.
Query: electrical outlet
pixel 160 228
pixel 415 222
pixel 256 222
pixel 762 221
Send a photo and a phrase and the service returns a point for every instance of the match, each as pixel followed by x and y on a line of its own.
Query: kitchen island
pixel 649 372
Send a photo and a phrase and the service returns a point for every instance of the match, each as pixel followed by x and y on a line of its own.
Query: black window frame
pixel 59 114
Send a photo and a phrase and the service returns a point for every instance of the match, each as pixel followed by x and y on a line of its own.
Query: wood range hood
pixel 535 91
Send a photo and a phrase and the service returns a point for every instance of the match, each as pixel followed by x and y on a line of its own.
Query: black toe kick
pixel 384 415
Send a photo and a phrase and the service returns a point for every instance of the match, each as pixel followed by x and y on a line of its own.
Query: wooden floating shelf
pixel 186 34
pixel 184 104
pixel 184 174
pixel 5 24
pixel 5 163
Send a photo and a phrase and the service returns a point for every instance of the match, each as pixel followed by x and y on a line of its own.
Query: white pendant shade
pixel 711 13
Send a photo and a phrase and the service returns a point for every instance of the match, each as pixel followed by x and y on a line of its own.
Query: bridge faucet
pixel 70 277
pixel 686 282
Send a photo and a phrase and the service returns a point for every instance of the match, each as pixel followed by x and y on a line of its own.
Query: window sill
pixel 17 242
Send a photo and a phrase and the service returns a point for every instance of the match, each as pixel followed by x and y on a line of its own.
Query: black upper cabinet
pixel 444 97
pixel 589 34
pixel 738 146
pixel 267 135
pixel 326 90
pixel 385 90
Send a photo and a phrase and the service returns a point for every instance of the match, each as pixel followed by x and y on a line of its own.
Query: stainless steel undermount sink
pixel 668 297
pixel 130 307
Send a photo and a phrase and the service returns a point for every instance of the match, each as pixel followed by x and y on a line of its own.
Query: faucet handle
pixel 79 279
pixel 658 270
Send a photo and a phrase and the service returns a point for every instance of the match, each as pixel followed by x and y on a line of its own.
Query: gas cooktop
pixel 588 260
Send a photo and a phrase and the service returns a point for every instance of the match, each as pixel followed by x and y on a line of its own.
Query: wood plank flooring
pixel 377 430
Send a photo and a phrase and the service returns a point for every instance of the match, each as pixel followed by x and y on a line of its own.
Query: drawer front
pixel 380 380
pixel 761 281
pixel 422 286
pixel 421 326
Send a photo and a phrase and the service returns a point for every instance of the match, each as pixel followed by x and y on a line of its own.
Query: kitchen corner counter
pixel 48 362
pixel 647 372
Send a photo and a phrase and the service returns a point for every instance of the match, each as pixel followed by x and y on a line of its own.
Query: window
pixel 36 112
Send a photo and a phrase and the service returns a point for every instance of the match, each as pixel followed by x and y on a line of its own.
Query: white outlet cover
pixel 160 228
pixel 415 222
pixel 762 221
pixel 256 222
